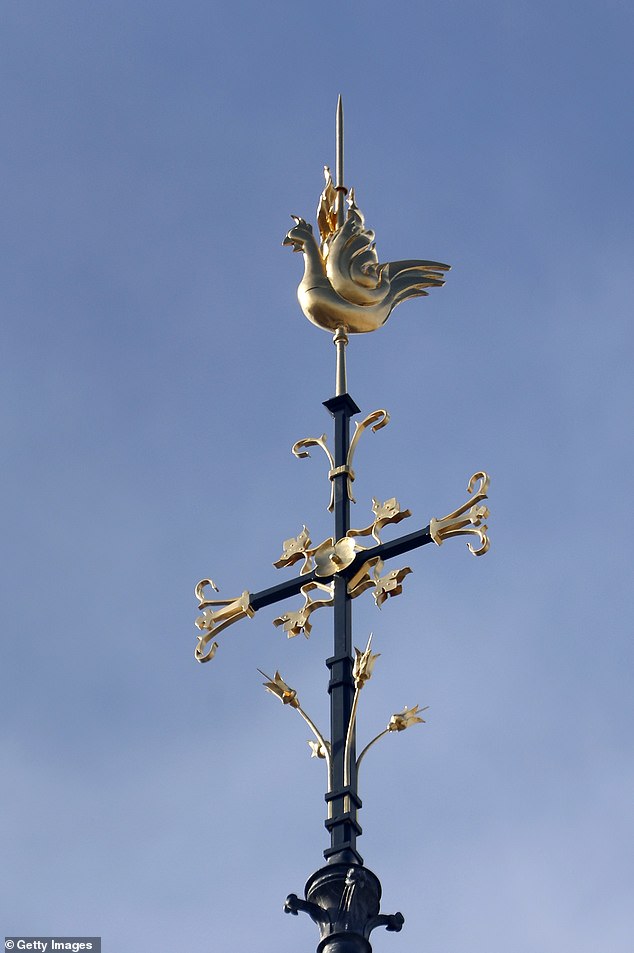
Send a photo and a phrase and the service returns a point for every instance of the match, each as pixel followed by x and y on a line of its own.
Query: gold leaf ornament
pixel 298 621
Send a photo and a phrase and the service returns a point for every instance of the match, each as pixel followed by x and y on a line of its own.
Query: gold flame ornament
pixel 363 665
pixel 362 673
pixel 288 696
pixel 278 687
pixel 398 722
pixel 404 719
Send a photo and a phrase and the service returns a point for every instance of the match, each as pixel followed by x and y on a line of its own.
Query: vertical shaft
pixel 340 187
pixel 341 340
pixel 343 800
pixel 339 139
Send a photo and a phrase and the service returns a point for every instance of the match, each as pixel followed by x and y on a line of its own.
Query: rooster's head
pixel 299 234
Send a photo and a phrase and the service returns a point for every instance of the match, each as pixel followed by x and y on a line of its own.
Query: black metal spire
pixel 344 290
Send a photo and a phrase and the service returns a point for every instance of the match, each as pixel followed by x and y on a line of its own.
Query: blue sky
pixel 157 370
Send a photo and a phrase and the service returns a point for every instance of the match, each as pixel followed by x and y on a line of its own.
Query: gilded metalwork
pixel 299 450
pixel 344 284
pixel 404 719
pixel 213 621
pixel 376 420
pixel 364 578
pixel 326 559
pixel 295 549
pixel 361 672
pixel 369 577
pixel 344 290
pixel 296 623
pixel 278 687
pixel 363 665
pixel 468 519
pixel 326 214
pixel 389 585
pixel 317 750
pixel 398 722
pixel 288 696
pixel 331 558
pixel 386 513
pixel 340 340
pixel 199 592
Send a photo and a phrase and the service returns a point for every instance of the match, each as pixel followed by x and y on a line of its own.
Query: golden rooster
pixel 344 285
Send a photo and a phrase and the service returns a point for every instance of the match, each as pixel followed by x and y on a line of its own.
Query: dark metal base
pixel 344 902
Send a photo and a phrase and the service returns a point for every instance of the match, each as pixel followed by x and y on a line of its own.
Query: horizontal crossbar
pixel 396 547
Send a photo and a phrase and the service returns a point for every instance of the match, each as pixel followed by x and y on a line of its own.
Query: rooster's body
pixel 344 285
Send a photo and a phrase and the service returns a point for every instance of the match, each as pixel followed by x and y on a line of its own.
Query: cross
pixel 349 570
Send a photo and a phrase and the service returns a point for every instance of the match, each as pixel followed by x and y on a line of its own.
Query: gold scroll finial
pixel 376 420
pixel 468 519
pixel 213 621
